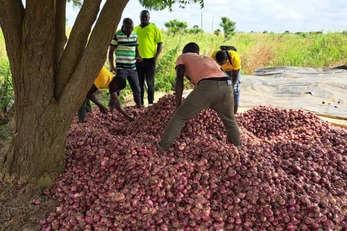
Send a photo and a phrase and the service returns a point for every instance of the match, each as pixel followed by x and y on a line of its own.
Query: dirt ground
pixel 18 209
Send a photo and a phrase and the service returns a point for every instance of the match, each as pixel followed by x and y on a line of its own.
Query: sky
pixel 250 15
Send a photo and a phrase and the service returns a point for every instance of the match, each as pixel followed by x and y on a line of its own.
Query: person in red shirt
pixel 213 89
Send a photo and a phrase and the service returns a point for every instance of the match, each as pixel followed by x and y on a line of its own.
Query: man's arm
pixel 236 63
pixel 234 76
pixel 118 105
pixel 110 57
pixel 179 84
pixel 159 49
pixel 113 89
pixel 94 99
pixel 137 55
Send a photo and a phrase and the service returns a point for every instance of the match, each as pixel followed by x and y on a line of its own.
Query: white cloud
pixel 250 15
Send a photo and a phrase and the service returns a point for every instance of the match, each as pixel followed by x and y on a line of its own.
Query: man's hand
pixel 180 70
pixel 138 59
pixel 130 118
pixel 103 109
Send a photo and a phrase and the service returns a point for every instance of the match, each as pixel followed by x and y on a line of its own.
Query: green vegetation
pixel 176 27
pixel 256 50
pixel 6 88
pixel 228 27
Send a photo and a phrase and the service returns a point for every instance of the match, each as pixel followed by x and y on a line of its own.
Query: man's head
pixel 221 57
pixel 144 17
pixel 191 47
pixel 127 26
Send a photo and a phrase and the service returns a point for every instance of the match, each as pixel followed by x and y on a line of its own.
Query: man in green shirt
pixel 124 46
pixel 150 46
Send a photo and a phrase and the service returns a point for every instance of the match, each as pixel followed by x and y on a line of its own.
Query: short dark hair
pixel 221 56
pixel 145 12
pixel 191 47
pixel 127 21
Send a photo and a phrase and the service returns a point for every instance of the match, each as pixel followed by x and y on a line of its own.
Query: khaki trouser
pixel 217 95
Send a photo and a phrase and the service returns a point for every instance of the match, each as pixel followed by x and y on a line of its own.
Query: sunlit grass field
pixel 255 49
pixel 260 50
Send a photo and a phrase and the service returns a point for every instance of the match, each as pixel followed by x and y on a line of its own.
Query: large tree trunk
pixel 51 80
pixel 37 153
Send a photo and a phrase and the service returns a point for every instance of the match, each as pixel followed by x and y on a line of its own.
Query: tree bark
pixel 37 153
pixel 51 80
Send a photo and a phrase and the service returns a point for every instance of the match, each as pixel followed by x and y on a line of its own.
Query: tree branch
pixel 37 54
pixel 60 30
pixel 76 44
pixel 11 21
pixel 95 53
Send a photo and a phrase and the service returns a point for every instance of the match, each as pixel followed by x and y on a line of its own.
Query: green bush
pixel 6 87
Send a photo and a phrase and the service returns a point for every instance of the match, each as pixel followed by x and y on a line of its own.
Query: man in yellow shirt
pixel 150 46
pixel 105 80
pixel 230 62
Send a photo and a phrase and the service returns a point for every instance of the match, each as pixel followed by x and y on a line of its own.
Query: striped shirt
pixel 125 51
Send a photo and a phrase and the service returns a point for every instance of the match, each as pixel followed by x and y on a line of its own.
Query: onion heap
pixel 290 173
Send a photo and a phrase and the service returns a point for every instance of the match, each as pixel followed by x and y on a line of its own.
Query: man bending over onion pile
pixel 213 89
pixel 105 80
pixel 230 62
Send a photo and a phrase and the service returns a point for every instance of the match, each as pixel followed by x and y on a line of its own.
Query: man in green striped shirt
pixel 124 46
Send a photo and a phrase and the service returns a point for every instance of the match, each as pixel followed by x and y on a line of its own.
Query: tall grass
pixel 269 49
pixel 6 88
pixel 259 50
pixel 255 49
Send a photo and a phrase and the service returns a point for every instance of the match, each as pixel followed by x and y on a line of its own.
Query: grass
pixel 6 131
pixel 261 50
pixel 255 49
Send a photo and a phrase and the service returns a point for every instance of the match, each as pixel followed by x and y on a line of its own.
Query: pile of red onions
pixel 290 173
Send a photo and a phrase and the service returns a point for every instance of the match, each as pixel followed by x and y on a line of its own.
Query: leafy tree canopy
pixel 228 27
pixel 155 4
pixel 76 2
pixel 163 4
pixel 175 26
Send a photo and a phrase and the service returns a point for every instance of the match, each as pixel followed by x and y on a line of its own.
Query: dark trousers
pixel 133 80
pixel 146 71
pixel 82 112
pixel 217 95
